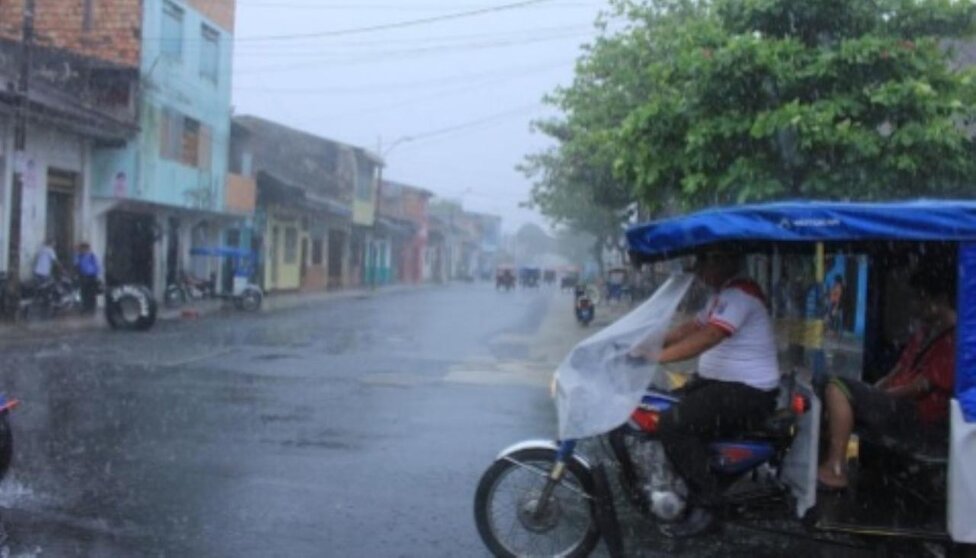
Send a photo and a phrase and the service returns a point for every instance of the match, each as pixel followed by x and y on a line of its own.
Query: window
pixel 171 130
pixel 233 238
pixel 204 147
pixel 172 33
pixel 185 139
pixel 291 245
pixel 190 147
pixel 209 53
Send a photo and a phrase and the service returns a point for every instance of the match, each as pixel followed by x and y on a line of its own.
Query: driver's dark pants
pixel 709 410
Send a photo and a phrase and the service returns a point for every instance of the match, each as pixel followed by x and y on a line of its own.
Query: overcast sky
pixel 466 88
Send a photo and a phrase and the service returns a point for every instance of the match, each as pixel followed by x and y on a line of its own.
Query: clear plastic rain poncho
pixel 598 386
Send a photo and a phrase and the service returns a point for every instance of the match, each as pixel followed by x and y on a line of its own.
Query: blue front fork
pixel 563 455
pixel 565 451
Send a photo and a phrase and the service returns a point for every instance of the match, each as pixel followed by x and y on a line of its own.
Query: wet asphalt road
pixel 354 427
pixel 351 427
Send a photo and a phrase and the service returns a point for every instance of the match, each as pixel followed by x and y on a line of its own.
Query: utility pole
pixel 20 149
pixel 23 82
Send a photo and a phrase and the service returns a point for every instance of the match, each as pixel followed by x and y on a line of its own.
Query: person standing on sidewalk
pixel 86 265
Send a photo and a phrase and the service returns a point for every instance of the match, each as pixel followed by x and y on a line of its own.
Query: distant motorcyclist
pixel 736 384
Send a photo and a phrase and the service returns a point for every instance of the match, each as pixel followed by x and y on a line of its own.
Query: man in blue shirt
pixel 86 265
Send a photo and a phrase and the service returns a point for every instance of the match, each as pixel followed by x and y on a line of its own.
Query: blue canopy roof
pixel 806 221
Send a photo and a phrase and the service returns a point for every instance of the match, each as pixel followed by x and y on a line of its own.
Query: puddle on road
pixel 397 379
pixel 273 356
pixel 512 373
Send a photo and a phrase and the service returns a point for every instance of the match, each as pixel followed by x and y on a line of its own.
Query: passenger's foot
pixel 831 477
pixel 697 522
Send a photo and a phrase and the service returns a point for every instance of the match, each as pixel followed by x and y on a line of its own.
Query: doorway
pixel 337 242
pixel 129 248
pixel 172 251
pixel 60 216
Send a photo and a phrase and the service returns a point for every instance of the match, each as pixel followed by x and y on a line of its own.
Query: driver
pixel 736 384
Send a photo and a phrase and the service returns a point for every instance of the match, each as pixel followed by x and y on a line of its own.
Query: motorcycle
pixel 189 288
pixel 40 300
pixel 564 502
pixel 6 436
pixel 583 306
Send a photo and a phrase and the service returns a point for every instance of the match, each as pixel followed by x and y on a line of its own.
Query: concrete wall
pixel 47 149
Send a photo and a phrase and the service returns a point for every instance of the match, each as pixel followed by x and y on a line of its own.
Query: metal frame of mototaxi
pixel 244 263
pixel 859 226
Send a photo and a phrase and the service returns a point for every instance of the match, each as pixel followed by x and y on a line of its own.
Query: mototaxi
pixel 240 267
pixel 914 495
pixel 919 491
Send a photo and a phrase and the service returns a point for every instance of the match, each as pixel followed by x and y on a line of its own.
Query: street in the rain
pixel 357 427
pixel 351 427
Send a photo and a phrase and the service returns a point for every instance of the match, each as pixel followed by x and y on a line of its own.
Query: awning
pixel 274 189
pixel 805 222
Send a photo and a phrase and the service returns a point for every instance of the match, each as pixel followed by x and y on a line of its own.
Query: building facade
pixel 316 208
pixel 405 208
pixel 83 88
pixel 165 192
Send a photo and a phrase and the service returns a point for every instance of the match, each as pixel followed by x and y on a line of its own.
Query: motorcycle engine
pixel 665 491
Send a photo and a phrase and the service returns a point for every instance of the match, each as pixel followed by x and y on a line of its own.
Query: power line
pixel 446 40
pixel 449 92
pixel 380 6
pixel 399 55
pixel 385 88
pixel 397 25
pixel 472 123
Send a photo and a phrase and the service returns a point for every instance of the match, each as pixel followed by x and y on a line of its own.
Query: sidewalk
pixel 68 325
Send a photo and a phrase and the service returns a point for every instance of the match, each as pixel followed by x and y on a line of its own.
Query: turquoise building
pixel 166 191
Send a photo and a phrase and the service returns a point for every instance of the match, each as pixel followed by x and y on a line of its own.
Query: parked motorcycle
pixel 583 306
pixel 40 300
pixel 543 494
pixel 189 288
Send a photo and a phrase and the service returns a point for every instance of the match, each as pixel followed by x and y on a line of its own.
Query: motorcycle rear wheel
pixel 503 508
pixel 6 446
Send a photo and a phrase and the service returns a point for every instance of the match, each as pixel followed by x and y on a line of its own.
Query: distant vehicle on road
pixel 505 278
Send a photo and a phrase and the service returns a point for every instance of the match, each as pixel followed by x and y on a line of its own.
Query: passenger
pixel 910 402
pixel 736 384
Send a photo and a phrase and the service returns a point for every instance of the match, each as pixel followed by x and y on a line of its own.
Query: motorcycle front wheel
pixel 506 508
pixel 174 297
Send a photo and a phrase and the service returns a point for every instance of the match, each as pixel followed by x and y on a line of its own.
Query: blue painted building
pixel 166 191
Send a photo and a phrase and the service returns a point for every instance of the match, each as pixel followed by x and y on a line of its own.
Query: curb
pixel 60 327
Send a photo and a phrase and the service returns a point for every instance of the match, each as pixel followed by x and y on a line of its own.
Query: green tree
pixel 766 99
pixel 575 182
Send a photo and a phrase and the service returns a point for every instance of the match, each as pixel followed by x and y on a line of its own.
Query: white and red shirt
pixel 748 354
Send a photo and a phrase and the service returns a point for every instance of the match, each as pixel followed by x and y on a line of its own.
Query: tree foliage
pixel 685 103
